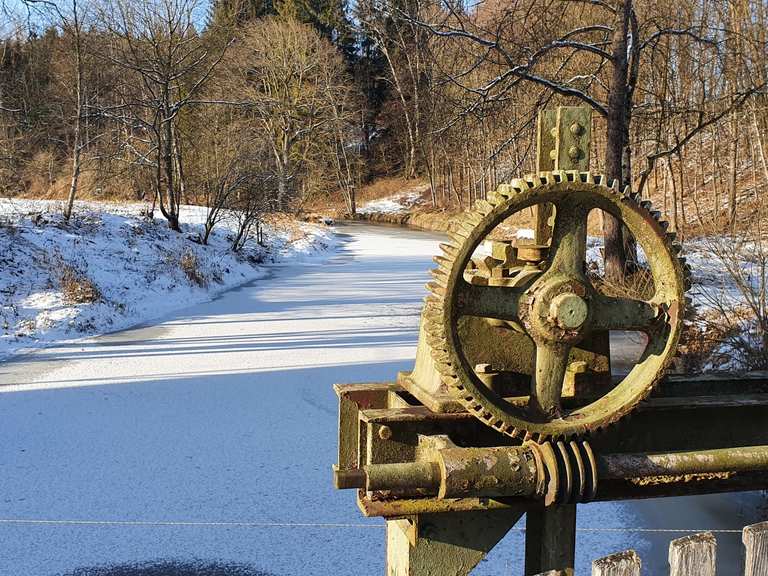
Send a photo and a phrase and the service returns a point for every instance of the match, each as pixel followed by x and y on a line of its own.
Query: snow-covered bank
pixel 396 203
pixel 112 267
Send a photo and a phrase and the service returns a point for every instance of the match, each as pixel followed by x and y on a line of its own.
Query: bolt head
pixel 385 432
pixel 568 311
pixel 574 152
pixel 577 129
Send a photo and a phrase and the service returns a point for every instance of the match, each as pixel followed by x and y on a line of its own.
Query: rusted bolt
pixel 574 152
pixel 553 132
pixel 577 129
pixel 552 154
pixel 385 432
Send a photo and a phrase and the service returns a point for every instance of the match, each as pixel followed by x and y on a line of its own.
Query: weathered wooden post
pixel 693 554
pixel 620 564
pixel 755 539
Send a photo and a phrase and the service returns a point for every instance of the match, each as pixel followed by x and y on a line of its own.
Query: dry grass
pixel 638 286
pixel 191 268
pixel 76 287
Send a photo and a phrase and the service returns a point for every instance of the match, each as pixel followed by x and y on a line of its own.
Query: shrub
pixel 191 268
pixel 76 287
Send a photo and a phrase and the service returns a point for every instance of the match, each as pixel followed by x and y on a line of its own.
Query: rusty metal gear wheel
pixel 558 308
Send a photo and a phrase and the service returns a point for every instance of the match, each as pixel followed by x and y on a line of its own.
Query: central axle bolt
pixel 569 311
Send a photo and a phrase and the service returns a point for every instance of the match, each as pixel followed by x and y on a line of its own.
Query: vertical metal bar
pixel 546 146
pixel 550 539
pixel 574 130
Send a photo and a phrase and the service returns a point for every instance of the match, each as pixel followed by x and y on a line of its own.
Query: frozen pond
pixel 203 444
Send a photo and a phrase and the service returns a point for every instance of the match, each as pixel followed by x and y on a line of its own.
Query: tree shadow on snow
pixel 171 568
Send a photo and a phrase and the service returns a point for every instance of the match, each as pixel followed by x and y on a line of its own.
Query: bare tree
pixel 291 84
pixel 165 65
pixel 588 51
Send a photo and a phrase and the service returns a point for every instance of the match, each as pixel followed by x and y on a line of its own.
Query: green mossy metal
pixel 564 279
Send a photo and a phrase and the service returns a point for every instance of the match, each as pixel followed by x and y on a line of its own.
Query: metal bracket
pixel 410 527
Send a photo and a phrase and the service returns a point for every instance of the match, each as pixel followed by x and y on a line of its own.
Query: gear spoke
pixel 568 253
pixel 547 387
pixel 612 313
pixel 499 302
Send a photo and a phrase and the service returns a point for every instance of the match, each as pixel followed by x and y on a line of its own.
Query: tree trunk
pixel 77 148
pixel 173 211
pixel 617 138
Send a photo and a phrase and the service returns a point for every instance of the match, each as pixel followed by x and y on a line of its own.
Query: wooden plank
pixel 625 563
pixel 755 538
pixel 693 555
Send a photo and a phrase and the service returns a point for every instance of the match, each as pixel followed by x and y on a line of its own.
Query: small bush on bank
pixel 76 287
pixel 191 268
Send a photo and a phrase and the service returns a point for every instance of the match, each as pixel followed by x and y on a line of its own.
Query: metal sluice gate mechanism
pixel 512 408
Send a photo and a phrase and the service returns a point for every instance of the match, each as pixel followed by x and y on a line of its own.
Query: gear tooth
pixel 449 249
pixel 585 177
pixel 440 356
pixel 457 236
pixel 615 186
pixel 474 217
pixel 646 205
pixel 656 215
pixel 440 277
pixel 466 227
pixel 599 179
pixel 635 197
pixel 442 261
pixel 671 236
pixel 436 288
pixel 677 248
pixel 560 176
pixel 484 207
pixel 519 185
pixel 627 192
pixel 531 181
pixel 664 225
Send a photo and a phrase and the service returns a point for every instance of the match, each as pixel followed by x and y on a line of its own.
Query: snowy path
pixel 224 412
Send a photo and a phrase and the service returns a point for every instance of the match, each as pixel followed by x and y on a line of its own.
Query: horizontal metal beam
pixel 638 465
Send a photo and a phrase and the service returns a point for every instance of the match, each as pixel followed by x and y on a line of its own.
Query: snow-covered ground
pixel 394 204
pixel 111 267
pixel 207 439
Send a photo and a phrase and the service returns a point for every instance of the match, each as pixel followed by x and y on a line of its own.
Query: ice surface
pixel 224 412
